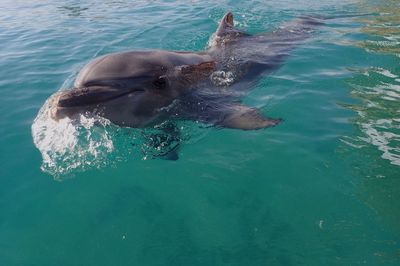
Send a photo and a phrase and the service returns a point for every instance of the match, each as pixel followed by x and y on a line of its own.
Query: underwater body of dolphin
pixel 143 88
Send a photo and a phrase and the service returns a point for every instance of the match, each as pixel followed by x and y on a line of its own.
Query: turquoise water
pixel 322 188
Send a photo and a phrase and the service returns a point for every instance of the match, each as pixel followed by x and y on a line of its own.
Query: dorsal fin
pixel 226 25
pixel 226 31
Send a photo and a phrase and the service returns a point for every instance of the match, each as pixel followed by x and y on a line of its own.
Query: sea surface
pixel 321 188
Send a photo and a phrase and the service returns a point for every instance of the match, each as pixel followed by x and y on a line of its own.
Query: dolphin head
pixel 128 89
pixel 137 96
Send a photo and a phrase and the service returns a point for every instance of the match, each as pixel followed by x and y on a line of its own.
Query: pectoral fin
pixel 164 142
pixel 246 118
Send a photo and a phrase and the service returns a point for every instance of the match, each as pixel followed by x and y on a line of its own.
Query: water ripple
pixel 379 91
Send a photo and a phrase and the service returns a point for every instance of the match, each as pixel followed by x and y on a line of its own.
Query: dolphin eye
pixel 161 82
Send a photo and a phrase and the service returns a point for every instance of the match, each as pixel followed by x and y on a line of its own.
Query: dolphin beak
pixel 56 112
pixel 70 102
pixel 90 96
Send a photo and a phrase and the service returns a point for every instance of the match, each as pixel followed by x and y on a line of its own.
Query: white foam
pixel 68 145
pixel 223 78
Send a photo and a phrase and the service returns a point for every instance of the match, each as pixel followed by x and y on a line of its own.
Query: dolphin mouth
pixel 77 100
pixel 79 97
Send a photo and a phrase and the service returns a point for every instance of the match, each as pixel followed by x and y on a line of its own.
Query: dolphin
pixel 142 88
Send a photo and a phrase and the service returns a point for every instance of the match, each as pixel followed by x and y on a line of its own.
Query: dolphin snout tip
pixel 56 112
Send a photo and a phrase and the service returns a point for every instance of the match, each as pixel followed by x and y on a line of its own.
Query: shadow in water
pixel 73 10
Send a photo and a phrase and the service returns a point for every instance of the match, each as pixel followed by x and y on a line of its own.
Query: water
pixel 321 188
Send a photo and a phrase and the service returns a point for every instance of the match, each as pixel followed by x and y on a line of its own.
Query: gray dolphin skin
pixel 143 88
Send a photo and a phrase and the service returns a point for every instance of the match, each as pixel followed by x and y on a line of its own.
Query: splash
pixel 71 145
pixel 89 141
